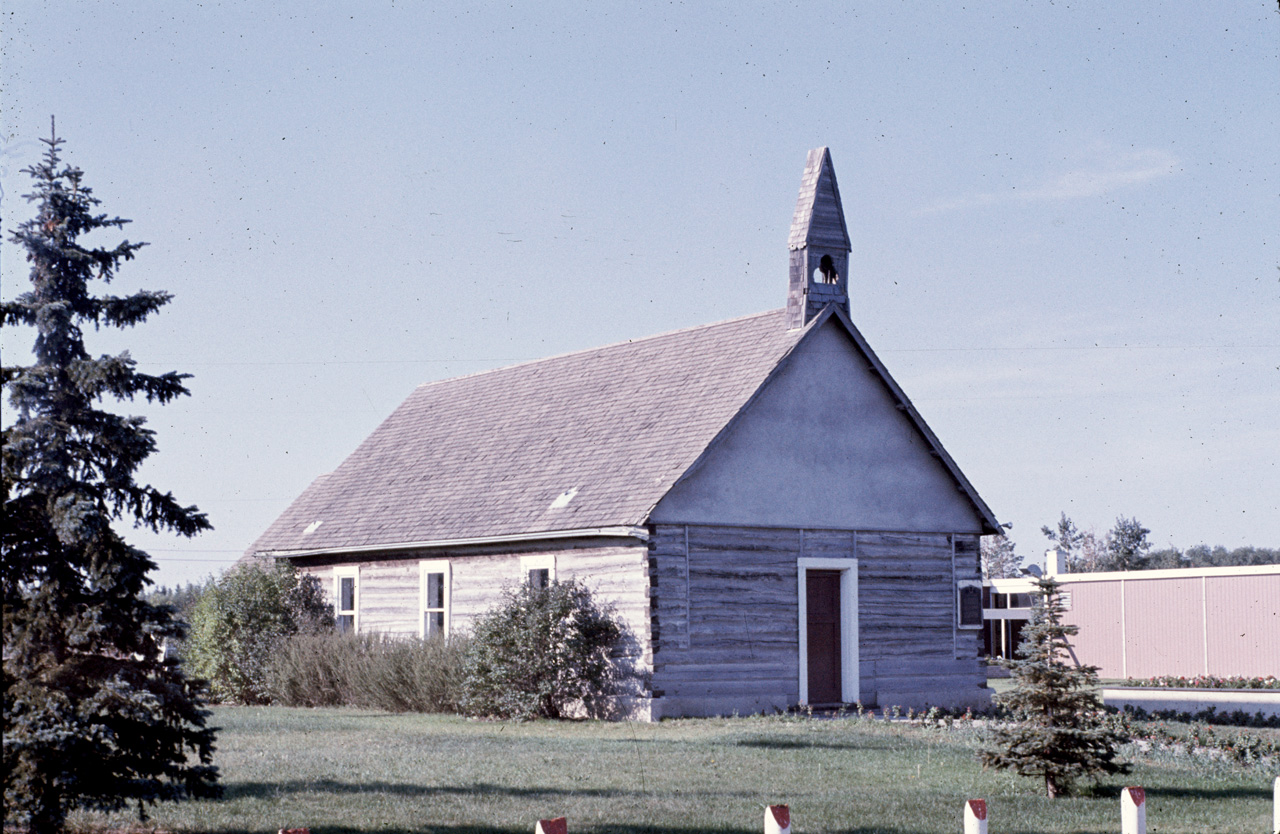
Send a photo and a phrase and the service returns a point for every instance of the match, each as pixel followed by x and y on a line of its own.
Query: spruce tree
pixel 94 716
pixel 1059 731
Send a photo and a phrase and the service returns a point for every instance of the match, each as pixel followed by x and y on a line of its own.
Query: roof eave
pixel 615 532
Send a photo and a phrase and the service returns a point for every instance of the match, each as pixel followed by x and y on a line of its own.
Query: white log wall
pixel 388 588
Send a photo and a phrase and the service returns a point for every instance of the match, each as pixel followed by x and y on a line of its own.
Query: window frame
pixel 340 573
pixel 426 567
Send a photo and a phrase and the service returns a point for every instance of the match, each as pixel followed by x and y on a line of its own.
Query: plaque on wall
pixel 969 604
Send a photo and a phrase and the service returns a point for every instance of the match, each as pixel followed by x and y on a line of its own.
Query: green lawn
pixel 350 771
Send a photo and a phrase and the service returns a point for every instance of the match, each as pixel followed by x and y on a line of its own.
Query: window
pixel 434 579
pixel 1021 600
pixel 346 595
pixel 538 571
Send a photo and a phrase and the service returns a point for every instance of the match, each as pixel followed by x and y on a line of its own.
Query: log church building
pixel 767 512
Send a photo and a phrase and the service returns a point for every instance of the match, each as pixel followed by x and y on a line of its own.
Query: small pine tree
pixel 1059 731
pixel 94 716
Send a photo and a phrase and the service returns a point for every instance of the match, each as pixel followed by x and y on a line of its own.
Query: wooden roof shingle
pixel 585 440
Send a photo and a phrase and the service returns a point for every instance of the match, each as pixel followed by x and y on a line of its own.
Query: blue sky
pixel 1064 220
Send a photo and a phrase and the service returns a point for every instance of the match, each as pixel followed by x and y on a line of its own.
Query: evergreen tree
pixel 1059 730
pixel 93 716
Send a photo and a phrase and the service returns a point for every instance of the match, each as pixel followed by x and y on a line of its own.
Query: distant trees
pixel 1203 556
pixel 1126 546
pixel 1067 538
pixel 1000 560
pixel 181 598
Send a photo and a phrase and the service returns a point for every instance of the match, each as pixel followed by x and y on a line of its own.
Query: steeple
pixel 819 244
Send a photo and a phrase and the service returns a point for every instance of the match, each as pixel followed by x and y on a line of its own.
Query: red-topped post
pixel 554 826
pixel 1133 811
pixel 975 816
pixel 777 819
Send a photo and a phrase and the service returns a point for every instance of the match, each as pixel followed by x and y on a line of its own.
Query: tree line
pixel 1126 546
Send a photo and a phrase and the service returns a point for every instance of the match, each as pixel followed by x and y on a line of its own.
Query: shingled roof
pixel 587 440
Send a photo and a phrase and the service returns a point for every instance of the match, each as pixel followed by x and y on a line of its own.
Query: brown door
pixel 822 592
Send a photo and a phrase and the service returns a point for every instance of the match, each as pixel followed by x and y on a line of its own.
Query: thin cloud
pixel 1101 177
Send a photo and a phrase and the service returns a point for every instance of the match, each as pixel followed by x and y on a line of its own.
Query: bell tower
pixel 819 244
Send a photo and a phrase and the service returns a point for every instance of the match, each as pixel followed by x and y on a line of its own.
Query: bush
pixel 371 671
pixel 542 652
pixel 242 620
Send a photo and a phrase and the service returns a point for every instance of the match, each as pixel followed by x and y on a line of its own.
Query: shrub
pixel 542 652
pixel 365 670
pixel 241 621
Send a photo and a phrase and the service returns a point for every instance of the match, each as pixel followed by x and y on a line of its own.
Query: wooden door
pixel 822 622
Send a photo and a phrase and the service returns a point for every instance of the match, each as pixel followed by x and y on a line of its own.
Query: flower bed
pixel 1243 748
pixel 1203 682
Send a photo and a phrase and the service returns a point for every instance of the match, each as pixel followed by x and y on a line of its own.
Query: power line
pixel 487 360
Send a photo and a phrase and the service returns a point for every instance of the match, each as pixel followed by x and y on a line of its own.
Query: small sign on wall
pixel 969 603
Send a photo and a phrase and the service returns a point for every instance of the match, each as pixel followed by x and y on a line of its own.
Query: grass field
pixel 345 771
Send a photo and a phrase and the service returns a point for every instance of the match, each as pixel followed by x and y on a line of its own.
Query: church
pixel 770 517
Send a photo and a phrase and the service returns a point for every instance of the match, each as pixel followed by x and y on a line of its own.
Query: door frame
pixel 848 569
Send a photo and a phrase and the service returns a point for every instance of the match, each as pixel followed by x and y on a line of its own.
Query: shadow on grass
pixel 802 744
pixel 264 790
pixel 612 828
pixel 1238 792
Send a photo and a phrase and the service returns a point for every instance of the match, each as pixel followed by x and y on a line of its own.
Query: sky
pixel 1065 220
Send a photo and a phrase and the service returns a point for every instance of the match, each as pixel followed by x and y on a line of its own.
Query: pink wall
pixel 1166 620
pixel 1095 608
pixel 1164 627
pixel 1244 624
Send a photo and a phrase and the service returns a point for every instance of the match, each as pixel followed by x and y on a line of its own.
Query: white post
pixel 777 819
pixel 1133 811
pixel 975 816
pixel 555 826
pixel 1275 817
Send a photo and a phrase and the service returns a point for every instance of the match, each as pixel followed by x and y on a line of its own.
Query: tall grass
pixel 368 671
